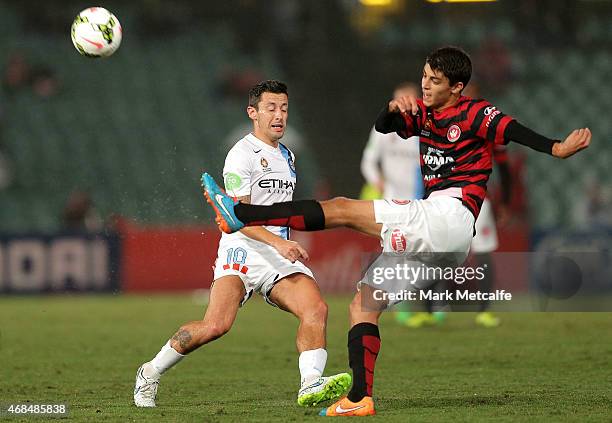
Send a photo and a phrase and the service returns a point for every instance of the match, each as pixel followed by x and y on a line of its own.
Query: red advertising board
pixel 175 259
pixel 181 258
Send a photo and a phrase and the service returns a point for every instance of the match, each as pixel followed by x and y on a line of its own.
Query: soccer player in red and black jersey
pixel 456 135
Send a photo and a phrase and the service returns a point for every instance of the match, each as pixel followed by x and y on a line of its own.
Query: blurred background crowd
pixel 132 132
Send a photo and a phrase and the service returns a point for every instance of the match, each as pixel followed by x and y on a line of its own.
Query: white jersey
pixel 267 174
pixel 399 161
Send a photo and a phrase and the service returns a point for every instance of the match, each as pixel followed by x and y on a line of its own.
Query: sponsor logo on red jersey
pixel 491 115
pixel 398 241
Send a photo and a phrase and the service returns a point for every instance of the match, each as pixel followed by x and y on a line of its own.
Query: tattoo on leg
pixel 183 337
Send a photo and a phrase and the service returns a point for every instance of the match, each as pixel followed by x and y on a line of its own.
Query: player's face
pixel 437 91
pixel 270 117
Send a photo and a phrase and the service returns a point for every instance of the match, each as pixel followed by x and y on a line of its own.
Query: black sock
pixel 363 346
pixel 303 215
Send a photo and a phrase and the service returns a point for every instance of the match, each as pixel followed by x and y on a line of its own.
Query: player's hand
pixel 404 105
pixel 577 140
pixel 291 250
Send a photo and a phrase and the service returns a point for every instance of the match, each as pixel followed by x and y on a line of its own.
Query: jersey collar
pixel 260 144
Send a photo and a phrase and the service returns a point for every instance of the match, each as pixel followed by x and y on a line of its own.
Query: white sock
pixel 165 358
pixel 312 364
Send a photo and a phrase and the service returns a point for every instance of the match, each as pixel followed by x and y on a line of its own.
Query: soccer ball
pixel 96 32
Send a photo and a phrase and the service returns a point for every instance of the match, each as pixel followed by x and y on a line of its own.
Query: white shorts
pixel 485 240
pixel 258 265
pixel 436 232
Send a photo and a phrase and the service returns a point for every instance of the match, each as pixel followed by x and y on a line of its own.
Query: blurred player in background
pixel 391 163
pixel 258 170
pixel 485 240
pixel 455 131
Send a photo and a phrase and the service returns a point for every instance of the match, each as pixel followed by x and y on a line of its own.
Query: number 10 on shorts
pixel 236 257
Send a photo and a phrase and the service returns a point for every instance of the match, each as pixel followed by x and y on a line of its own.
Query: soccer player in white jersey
pixel 390 163
pixel 258 170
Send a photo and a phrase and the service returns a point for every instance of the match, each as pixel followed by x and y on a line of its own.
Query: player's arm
pixel 398 116
pixel 489 123
pixel 577 140
pixel 291 250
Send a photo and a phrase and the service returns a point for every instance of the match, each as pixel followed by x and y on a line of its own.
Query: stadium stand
pixel 136 130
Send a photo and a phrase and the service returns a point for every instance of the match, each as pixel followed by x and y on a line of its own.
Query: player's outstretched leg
pixel 231 215
pixel 302 215
pixel 222 204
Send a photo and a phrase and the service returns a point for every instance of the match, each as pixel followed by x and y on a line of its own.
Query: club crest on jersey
pixel 426 130
pixel 453 133
pixel 398 241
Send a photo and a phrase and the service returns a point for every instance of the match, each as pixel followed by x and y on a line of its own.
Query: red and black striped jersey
pixel 456 146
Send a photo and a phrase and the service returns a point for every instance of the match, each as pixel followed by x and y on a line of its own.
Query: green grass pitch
pixel 84 351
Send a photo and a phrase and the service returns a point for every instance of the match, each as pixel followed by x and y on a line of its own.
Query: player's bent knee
pixel 336 211
pixel 341 203
pixel 315 314
pixel 320 311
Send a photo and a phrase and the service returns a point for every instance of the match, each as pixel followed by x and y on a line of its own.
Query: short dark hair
pixel 269 86
pixel 453 62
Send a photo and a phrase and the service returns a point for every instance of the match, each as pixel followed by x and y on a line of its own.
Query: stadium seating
pixel 136 130
pixel 554 94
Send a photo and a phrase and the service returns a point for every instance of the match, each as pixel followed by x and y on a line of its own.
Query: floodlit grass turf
pixel 84 351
